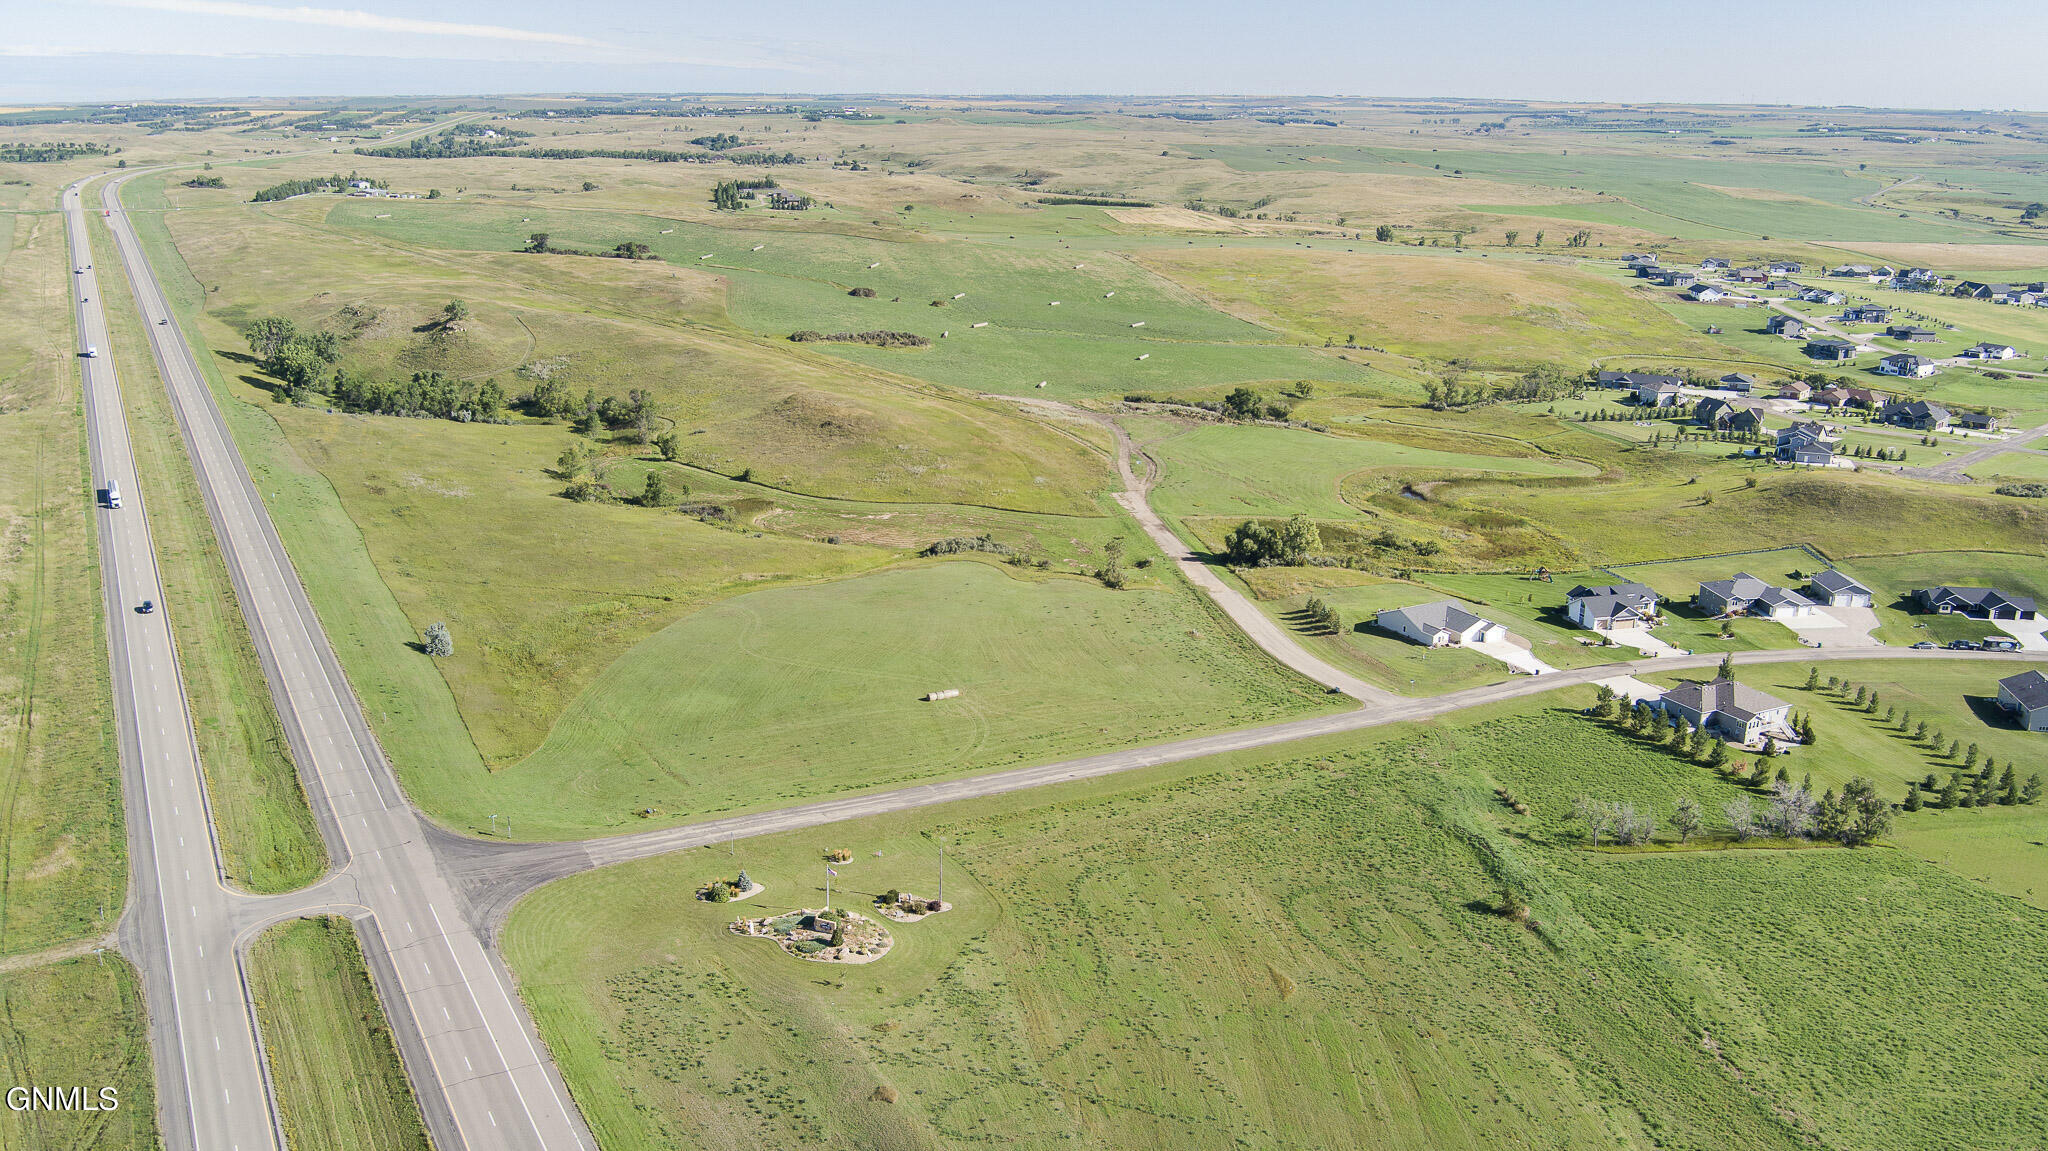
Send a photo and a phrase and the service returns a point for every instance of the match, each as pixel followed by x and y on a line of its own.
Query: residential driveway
pixel 1514 655
pixel 1632 689
pixel 1641 639
pixel 1838 627
pixel 2030 632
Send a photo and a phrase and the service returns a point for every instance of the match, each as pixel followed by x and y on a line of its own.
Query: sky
pixel 1890 53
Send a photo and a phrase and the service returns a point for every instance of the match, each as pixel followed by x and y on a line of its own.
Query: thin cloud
pixel 357 20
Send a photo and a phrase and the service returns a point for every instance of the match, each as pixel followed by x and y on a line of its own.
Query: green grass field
pixel 1297 947
pixel 62 848
pixel 2012 466
pixel 771 698
pixel 78 1023
pixel 265 829
pixel 1895 577
pixel 335 1071
pixel 1226 469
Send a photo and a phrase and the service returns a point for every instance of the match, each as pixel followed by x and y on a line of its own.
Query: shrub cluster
pixel 954 545
pixel 878 338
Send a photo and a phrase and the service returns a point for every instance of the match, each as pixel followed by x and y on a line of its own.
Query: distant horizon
pixel 1886 54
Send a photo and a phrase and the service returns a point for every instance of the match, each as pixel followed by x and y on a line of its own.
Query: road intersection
pixel 427 902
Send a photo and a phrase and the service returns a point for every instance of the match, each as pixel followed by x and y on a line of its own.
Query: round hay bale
pixel 883 1095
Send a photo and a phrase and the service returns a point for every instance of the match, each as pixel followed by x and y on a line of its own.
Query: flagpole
pixel 828 889
pixel 942 871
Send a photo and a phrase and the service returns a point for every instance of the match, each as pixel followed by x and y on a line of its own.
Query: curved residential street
pixel 427 902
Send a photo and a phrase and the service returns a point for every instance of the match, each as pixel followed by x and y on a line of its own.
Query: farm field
pixel 337 1076
pixel 77 1022
pixel 63 852
pixel 770 698
pixel 266 833
pixel 1332 973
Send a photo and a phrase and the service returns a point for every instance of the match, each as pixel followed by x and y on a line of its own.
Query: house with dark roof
pixel 1988 351
pixel 1444 623
pixel 1975 290
pixel 1784 268
pixel 1631 380
pixel 1977 421
pixel 1923 415
pixel 1911 334
pixel 1974 602
pixel 1736 382
pixel 1808 443
pixel 1782 603
pixel 1711 263
pixel 1831 349
pixel 1657 391
pixel 1821 296
pixel 1677 278
pixel 1834 589
pixel 1790 327
pixel 1730 709
pixel 1727 415
pixel 1867 314
pixel 1730 596
pixel 1907 364
pixel 1611 607
pixel 2026 696
pixel 1850 271
pixel 1705 293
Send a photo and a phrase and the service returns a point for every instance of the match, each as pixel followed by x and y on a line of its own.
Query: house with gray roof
pixel 1990 351
pixel 1975 602
pixel 1911 333
pixel 1729 709
pixel 1837 590
pixel 1611 607
pixel 2026 696
pixel 1790 327
pixel 1445 623
pixel 1908 364
pixel 1831 349
pixel 1744 594
pixel 1782 603
pixel 1727 415
pixel 1924 415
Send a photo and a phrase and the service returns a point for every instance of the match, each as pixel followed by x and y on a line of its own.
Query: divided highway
pixel 480 1073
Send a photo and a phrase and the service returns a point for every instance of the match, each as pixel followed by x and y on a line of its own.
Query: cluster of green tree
pixel 1244 403
pixel 728 196
pixel 293 357
pixel 955 545
pixel 1864 452
pixel 474 128
pixel 636 414
pixel 722 142
pixel 539 244
pixel 426 395
pixel 1853 818
pixel 206 182
pixel 290 188
pixel 1622 823
pixel 437 641
pixel 1578 239
pixel 1262 543
pixel 1452 391
pixel 1111 571
pixel 1651 725
pixel 2028 491
pixel 880 339
pixel 791 203
pixel 48 153
pixel 1969 787
pixel 1318 612
pixel 660 156
pixel 101 114
pixel 1094 201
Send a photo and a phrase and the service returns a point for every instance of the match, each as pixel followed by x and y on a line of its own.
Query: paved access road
pixel 480 1073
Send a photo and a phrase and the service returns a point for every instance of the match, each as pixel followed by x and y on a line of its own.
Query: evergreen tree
pixel 439 642
pixel 1812 678
pixel 1727 669
pixel 2011 785
pixel 1970 757
pixel 1717 753
pixel 1771 749
pixel 1806 730
pixel 1954 747
pixel 1862 694
pixel 1784 773
pixel 1950 792
pixel 2031 793
pixel 1912 799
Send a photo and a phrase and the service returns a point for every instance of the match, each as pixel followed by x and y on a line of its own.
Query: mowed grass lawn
pixel 339 1082
pixel 792 694
pixel 1254 470
pixel 1297 947
pixel 77 1023
pixel 1894 578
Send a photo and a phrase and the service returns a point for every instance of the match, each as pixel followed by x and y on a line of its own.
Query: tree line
pixel 48 153
pixel 290 188
pixel 541 244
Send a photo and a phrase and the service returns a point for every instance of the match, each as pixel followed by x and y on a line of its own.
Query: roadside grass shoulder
pixel 78 1023
pixel 63 850
pixel 1279 906
pixel 336 1072
pixel 267 838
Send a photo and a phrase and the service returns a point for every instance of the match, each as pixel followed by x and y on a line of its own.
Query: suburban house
pixel 1924 415
pixel 1971 289
pixel 1850 271
pixel 1444 623
pixel 1916 279
pixel 1821 296
pixel 1807 442
pixel 1977 421
pixel 1782 603
pixel 1907 364
pixel 1782 287
pixel 1632 379
pixel 1790 327
pixel 1795 390
pixel 1829 349
pixel 1730 596
pixel 1784 268
pixel 1612 606
pixel 1837 590
pixel 1712 263
pixel 1911 334
pixel 1751 276
pixel 1736 712
pixel 1727 415
pixel 1867 314
pixel 1676 278
pixel 1657 391
pixel 1991 351
pixel 1705 293
pixel 1865 398
pixel 1833 397
pixel 1975 602
pixel 1737 382
pixel 2026 696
